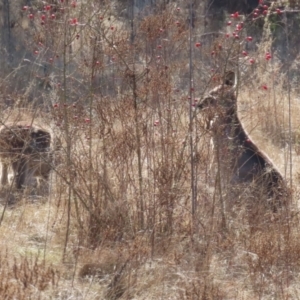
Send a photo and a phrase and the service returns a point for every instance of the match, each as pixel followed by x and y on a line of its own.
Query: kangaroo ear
pixel 229 78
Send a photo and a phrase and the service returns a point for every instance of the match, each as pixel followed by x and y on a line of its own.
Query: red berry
pixel 198 44
pixel 227 35
pixel 53 16
pixel 245 53
pixel 31 16
pixel 213 53
pixel 178 8
pixel 77 36
pixel 228 23
pixel 264 87
pixel 265 12
pixel 112 27
pixel 87 120
pixel 74 21
pixel 177 23
pixel 249 38
pixel 25 7
pixel 251 60
pixel 43 17
pixel 278 11
pixel 220 46
pixel 48 7
pixel 159 47
pixel 265 7
pixel 51 60
pixel 55 105
pixel 73 4
pixel 36 52
pixel 255 15
pixel 268 57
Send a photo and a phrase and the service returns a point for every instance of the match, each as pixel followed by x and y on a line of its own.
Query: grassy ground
pixel 117 220
pixel 173 257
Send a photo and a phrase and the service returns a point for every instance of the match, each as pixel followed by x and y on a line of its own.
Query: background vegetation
pixel 134 209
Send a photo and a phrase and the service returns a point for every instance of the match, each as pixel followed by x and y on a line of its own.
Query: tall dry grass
pixel 117 222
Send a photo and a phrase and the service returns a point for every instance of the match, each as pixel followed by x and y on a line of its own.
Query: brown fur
pixel 237 151
pixel 27 149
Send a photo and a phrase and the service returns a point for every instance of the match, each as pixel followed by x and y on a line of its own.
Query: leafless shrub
pixel 25 278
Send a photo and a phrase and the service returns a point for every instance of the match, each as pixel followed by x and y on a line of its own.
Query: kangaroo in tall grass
pixel 27 150
pixel 243 161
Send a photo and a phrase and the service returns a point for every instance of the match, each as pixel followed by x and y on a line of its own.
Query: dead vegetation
pixel 136 208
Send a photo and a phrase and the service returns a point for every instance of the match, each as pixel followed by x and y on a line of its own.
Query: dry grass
pixel 266 117
pixel 117 221
pixel 256 257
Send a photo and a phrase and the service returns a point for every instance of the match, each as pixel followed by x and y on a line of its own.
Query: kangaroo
pixel 240 155
pixel 27 150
